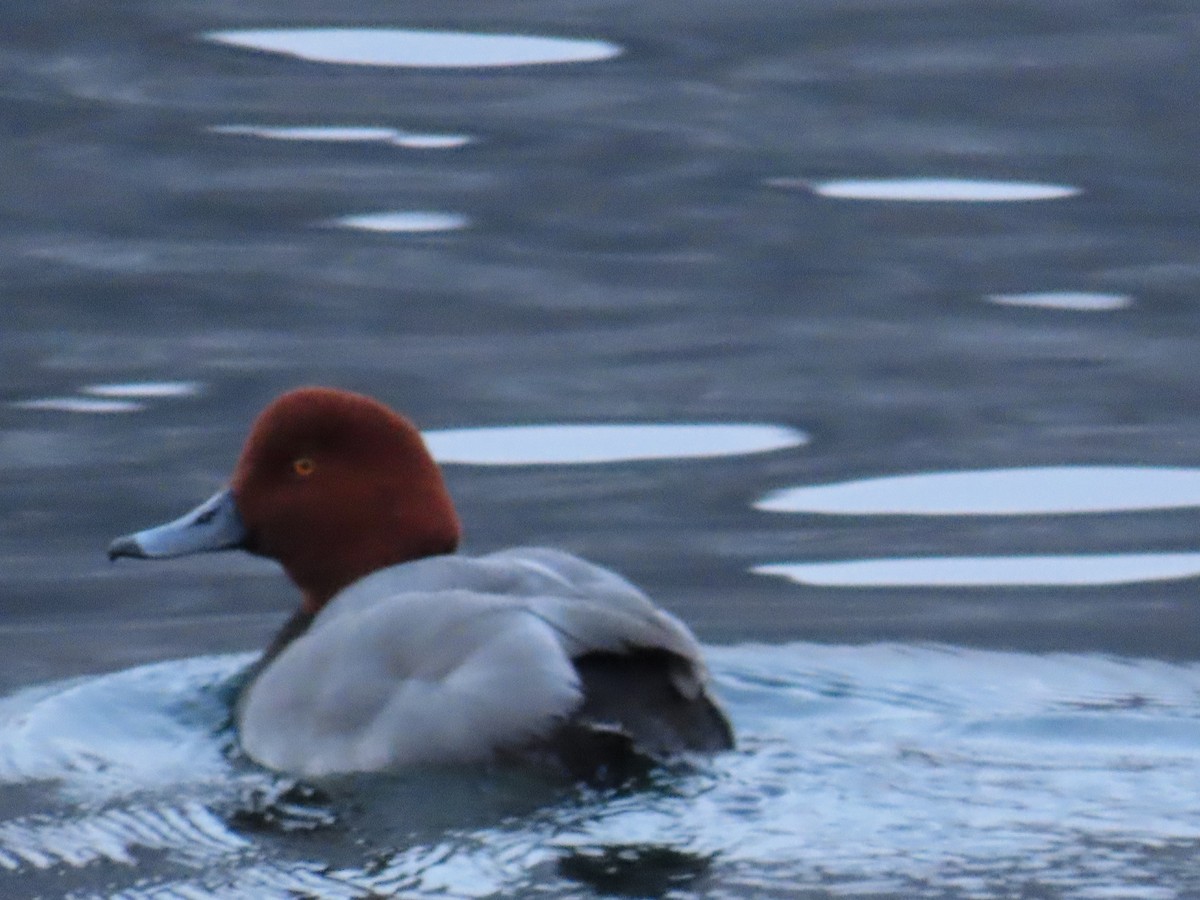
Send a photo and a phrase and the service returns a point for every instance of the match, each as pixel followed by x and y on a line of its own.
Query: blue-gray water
pixel 874 770
pixel 673 231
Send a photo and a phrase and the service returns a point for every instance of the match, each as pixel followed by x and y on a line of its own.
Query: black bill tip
pixel 126 546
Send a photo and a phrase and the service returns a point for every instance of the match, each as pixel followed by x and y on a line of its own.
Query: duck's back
pixel 454 658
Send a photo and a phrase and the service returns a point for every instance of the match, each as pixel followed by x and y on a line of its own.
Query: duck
pixel 404 651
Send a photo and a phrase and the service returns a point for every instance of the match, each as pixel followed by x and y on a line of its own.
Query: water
pixel 869 246
pixel 915 771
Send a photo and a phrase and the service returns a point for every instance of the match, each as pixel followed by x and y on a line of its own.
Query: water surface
pixel 894 237
pixel 965 773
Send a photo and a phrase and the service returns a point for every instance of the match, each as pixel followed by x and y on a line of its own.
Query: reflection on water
pixel 520 445
pixel 117 397
pixel 634 870
pixel 144 389
pixel 79 405
pixel 348 135
pixel 998 492
pixel 421 49
pixel 930 190
pixel 406 221
pixel 990 571
pixel 1082 301
pixel 890 770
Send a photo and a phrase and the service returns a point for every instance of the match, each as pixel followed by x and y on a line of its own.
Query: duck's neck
pixel 295 626
pixel 318 588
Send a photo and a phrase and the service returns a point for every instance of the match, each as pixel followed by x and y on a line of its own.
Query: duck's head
pixel 332 484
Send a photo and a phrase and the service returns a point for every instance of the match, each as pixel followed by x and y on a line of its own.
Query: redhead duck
pixel 404 652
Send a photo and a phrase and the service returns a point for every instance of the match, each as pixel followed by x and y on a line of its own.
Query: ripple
pixel 990 571
pixel 349 135
pixel 122 732
pixel 116 836
pixel 415 222
pixel 997 492
pixel 520 445
pixel 80 405
pixel 915 770
pixel 930 190
pixel 1082 301
pixel 416 49
pixel 144 389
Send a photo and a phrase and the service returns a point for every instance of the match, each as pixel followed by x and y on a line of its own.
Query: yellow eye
pixel 304 466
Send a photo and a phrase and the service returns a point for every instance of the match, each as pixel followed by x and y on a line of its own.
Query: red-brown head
pixel 333 485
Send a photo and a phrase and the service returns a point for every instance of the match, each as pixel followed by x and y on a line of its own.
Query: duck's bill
pixel 213 525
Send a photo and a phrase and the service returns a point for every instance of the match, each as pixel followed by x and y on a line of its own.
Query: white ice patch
pixel 1078 301
pixel 520 445
pixel 412 221
pixel 348 135
pixel 416 49
pixel 990 571
pixel 1044 490
pixel 930 190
